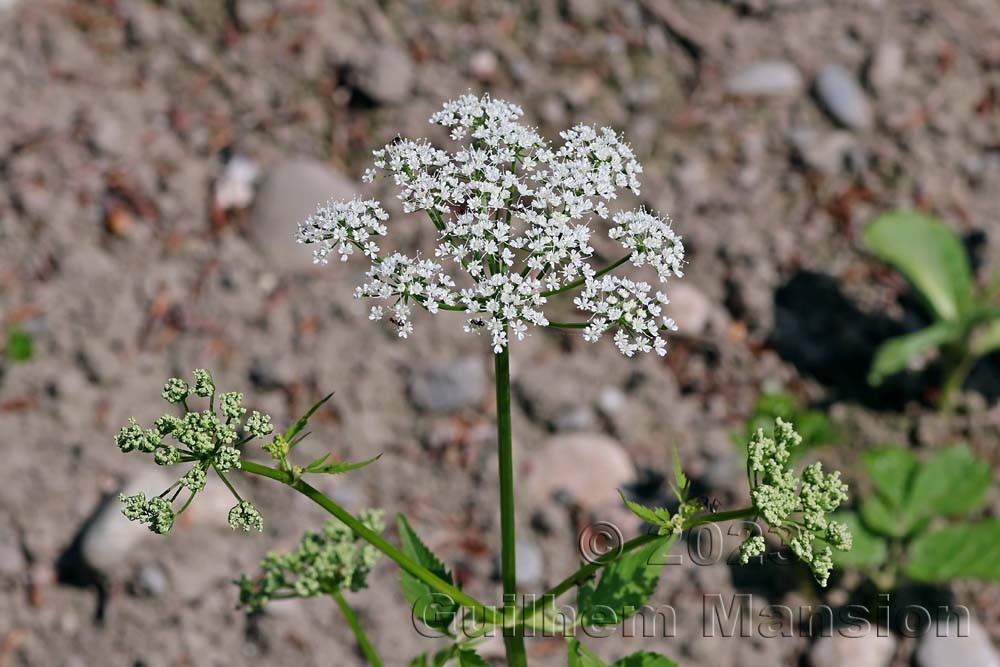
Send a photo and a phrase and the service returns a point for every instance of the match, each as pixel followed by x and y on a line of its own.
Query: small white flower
pixel 513 215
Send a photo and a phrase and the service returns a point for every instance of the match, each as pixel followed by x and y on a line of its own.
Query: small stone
pixel 611 400
pixel 151 580
pixel 449 386
pixel 12 561
pixel 234 188
pixel 386 77
pixel 575 418
pixel 289 193
pixel 868 650
pixel 110 536
pixel 765 79
pixel 483 64
pixel 841 95
pixel 886 66
pixel 690 308
pixel 966 643
pixel 530 563
pixel 583 468
pixel 827 153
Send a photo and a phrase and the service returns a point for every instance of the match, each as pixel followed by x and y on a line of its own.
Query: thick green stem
pixel 359 633
pixel 373 538
pixel 514 643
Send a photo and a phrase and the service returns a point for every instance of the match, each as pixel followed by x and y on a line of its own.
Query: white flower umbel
pixel 513 217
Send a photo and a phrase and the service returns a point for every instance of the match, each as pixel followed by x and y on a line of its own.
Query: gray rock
pixel 12 561
pixel 691 309
pixel 110 537
pixel 574 418
pixel 583 468
pixel 385 76
pixel 841 95
pixel 765 79
pixel 886 66
pixel 957 644
pixel 449 386
pixel 529 562
pixel 824 153
pixel 838 650
pixel 151 580
pixel 289 193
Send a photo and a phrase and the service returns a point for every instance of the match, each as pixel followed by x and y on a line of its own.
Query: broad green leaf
pixel 952 483
pixel 644 659
pixel 895 355
pixel 578 656
pixel 869 550
pixel 435 609
pixel 882 518
pixel 20 345
pixel 986 340
pixel 624 586
pixel 891 470
pixel 338 467
pixel 964 551
pixel 930 255
pixel 813 425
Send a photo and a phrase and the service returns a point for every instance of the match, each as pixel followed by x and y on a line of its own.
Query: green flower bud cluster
pixel 795 507
pixel 206 438
pixel 321 564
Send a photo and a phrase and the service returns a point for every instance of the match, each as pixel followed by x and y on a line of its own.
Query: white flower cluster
pixel 512 215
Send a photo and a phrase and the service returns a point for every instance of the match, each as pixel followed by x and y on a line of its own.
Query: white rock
pixel 838 650
pixel 587 468
pixel 690 308
pixel 234 189
pixel 886 66
pixel 962 644
pixel 110 536
pixel 449 386
pixel 483 64
pixel 385 77
pixel 765 79
pixel 841 95
pixel 289 193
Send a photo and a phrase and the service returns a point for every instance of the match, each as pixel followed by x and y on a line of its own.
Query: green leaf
pixel 20 345
pixel 883 518
pixel 293 430
pixel 964 551
pixel 891 470
pixel 869 550
pixel 625 585
pixel 578 656
pixel 814 426
pixel 469 658
pixel 338 467
pixel 930 255
pixel 953 483
pixel 659 516
pixel 896 354
pixel 644 659
pixel 435 609
pixel 682 481
pixel 986 339
pixel 439 659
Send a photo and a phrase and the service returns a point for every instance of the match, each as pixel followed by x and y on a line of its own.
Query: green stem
pixel 359 633
pixel 576 283
pixel 569 325
pixel 956 377
pixel 514 643
pixel 373 538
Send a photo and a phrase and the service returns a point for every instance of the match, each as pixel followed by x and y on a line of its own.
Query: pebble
pixel 289 193
pixel 611 400
pixel 838 650
pixel 386 77
pixel 110 536
pixel 827 153
pixel 841 95
pixel 151 580
pixel 530 563
pixel 886 66
pixel 449 386
pixel 765 79
pixel 972 650
pixel 483 64
pixel 574 418
pixel 234 189
pixel 690 308
pixel 583 468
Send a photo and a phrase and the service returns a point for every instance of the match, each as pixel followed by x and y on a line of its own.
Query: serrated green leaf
pixel 895 355
pixel 338 467
pixel 434 609
pixel 647 514
pixel 680 478
pixel 439 659
pixel 869 550
pixel 578 656
pixel 625 585
pixel 644 659
pixel 964 551
pixel 891 470
pixel 952 483
pixel 930 255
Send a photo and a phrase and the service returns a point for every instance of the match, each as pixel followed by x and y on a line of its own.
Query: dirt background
pixel 131 249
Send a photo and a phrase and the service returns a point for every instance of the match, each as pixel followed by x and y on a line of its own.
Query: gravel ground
pixel 155 156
